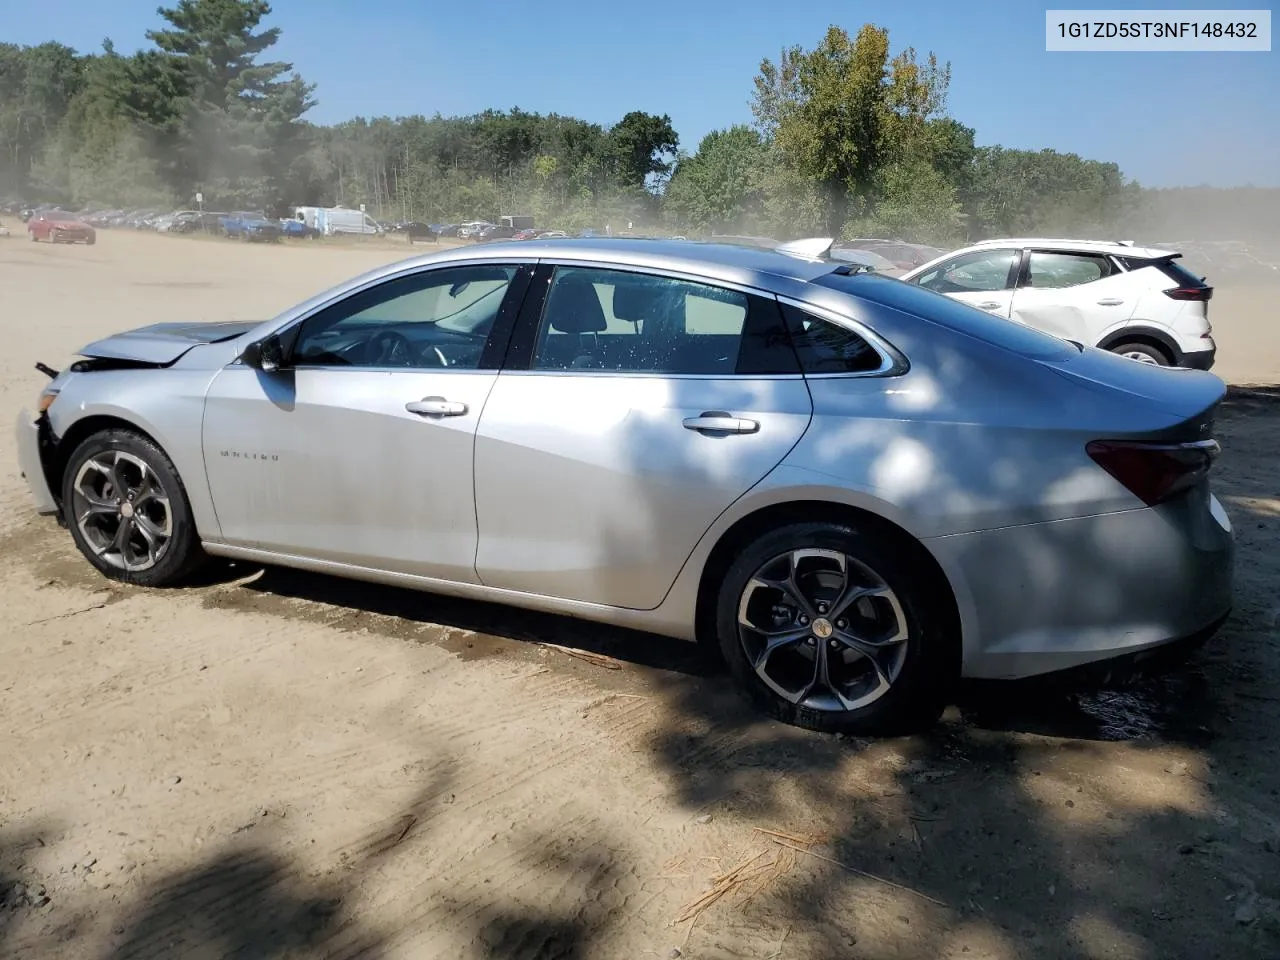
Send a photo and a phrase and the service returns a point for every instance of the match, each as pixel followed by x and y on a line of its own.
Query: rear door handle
pixel 717 421
pixel 1110 302
pixel 436 407
pixel 990 305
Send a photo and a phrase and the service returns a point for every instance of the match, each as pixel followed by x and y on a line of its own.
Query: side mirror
pixel 266 354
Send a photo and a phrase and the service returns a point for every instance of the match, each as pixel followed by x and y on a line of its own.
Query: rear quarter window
pixel 944 311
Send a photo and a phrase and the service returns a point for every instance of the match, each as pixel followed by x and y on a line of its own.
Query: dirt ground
pixel 272 764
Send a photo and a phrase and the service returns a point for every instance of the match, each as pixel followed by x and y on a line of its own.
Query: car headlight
pixel 47 396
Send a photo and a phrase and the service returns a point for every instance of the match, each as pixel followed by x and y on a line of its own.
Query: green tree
pixel 718 188
pixel 37 85
pixel 842 112
pixel 638 147
pixel 1043 191
pixel 242 129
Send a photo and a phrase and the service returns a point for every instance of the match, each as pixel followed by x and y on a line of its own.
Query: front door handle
pixel 717 421
pixel 1110 302
pixel 436 407
pixel 990 305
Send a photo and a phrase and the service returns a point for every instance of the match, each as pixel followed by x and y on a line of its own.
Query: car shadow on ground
pixel 1132 823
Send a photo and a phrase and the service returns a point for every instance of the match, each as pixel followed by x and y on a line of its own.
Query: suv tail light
pixel 1203 294
pixel 1155 473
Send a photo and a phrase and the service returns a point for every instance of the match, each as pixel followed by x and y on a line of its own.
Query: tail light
pixel 1155 473
pixel 1202 294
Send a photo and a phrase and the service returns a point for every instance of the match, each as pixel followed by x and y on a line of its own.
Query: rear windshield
pixel 1169 267
pixel 943 310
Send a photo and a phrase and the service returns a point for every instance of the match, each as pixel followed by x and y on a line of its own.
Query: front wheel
pixel 127 510
pixel 833 629
pixel 1143 353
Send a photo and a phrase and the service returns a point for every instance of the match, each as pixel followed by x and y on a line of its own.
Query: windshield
pixel 943 310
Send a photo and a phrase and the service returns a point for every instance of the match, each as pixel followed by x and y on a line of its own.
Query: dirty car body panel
pixel 588 488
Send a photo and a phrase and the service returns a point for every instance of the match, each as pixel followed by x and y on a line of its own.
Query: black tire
pixel 180 556
pixel 916 696
pixel 1154 354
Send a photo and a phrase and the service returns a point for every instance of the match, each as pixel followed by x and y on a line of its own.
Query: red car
pixel 58 227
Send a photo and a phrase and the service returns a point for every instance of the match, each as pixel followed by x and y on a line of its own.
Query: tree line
pixel 848 139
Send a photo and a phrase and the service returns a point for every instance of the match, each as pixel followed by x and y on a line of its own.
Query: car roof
pixel 715 261
pixel 1119 248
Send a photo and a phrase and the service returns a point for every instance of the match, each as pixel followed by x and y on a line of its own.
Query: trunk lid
pixel 1184 393
pixel 164 343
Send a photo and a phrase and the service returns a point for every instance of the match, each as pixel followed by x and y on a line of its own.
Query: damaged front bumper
pixel 34 437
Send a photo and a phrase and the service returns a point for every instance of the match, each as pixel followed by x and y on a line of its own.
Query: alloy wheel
pixel 122 510
pixel 822 630
pixel 1141 357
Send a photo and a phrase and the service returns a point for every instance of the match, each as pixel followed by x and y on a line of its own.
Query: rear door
pixel 980 278
pixel 633 410
pixel 1076 295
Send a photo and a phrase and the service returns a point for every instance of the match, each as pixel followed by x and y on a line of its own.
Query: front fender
pixel 166 404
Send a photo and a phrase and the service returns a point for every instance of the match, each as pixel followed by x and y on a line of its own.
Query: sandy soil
pixel 273 764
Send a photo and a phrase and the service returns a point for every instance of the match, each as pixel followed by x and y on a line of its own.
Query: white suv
pixel 1133 301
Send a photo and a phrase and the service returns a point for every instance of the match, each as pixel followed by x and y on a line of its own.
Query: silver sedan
pixel 857 489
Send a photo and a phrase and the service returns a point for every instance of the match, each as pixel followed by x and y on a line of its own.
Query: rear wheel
pixel 127 510
pixel 832 628
pixel 1143 353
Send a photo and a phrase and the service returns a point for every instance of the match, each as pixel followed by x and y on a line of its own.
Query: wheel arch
pixel 55 462
pixel 1147 335
pixel 770 517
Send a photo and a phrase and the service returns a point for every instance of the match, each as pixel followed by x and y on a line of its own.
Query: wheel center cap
pixel 126 510
pixel 822 628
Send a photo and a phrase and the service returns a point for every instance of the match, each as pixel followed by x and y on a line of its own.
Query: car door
pixel 1076 295
pixel 359 449
pixel 980 278
pixel 633 410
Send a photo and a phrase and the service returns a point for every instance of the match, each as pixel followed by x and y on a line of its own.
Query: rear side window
pixel 952 314
pixel 827 347
pixel 616 321
pixel 1055 270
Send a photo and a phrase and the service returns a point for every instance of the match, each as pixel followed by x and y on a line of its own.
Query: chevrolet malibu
pixel 859 490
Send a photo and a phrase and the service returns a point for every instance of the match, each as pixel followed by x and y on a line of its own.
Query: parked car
pixel 529 234
pixel 1138 302
pixel 493 232
pixel 290 227
pixel 468 231
pixel 904 255
pixel 413 230
pixel 866 259
pixel 857 488
pixel 180 221
pixel 250 227
pixel 552 235
pixel 58 226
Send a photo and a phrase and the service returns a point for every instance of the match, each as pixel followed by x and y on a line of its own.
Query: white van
pixel 334 220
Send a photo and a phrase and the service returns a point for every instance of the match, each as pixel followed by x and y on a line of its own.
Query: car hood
pixel 1183 392
pixel 163 343
pixel 62 224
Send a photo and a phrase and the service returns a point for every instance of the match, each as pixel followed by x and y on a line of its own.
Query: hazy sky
pixel 1166 118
